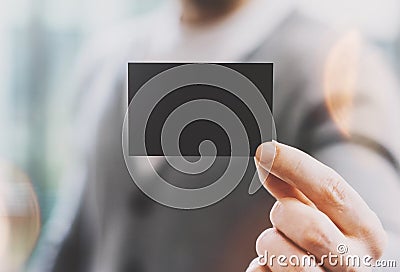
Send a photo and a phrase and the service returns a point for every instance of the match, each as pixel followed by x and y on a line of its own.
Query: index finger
pixel 322 185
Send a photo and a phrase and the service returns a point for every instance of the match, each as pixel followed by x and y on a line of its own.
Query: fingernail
pixel 262 174
pixel 265 155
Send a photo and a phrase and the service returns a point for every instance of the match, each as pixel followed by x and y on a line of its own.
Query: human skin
pixel 203 13
pixel 316 210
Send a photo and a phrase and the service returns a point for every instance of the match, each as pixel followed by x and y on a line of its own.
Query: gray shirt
pixel 335 98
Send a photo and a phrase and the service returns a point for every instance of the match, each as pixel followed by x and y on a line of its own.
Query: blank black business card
pixel 145 126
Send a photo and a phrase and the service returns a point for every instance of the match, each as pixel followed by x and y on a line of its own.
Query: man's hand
pixel 316 212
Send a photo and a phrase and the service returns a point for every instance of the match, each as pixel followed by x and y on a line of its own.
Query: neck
pixel 206 12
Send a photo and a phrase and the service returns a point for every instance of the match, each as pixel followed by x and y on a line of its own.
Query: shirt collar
pixel 228 40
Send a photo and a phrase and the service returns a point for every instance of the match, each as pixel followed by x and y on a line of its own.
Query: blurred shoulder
pixel 126 40
pixel 301 37
pixel 100 69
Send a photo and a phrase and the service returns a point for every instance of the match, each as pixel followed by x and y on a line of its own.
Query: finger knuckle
pixel 334 192
pixel 315 238
pixel 298 166
pixel 375 237
pixel 378 246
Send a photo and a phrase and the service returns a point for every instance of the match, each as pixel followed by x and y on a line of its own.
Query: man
pixel 334 98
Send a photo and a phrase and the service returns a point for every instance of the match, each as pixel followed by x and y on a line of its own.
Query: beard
pixel 213 7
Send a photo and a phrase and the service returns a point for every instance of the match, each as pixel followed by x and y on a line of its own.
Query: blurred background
pixel 40 42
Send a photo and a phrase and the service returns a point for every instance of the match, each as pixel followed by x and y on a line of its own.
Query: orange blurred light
pixel 340 78
pixel 19 218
